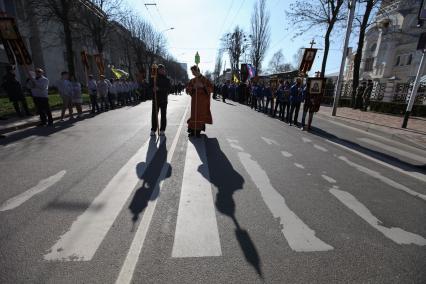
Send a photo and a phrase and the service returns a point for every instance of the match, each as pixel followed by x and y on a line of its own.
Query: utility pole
pixel 414 91
pixel 352 5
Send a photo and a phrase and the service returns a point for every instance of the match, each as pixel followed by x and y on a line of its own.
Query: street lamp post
pixel 345 53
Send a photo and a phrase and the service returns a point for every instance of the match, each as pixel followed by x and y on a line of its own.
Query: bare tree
pixel 305 15
pixel 97 17
pixel 62 12
pixel 260 34
pixel 364 23
pixel 218 65
pixel 137 29
pixel 234 43
pixel 277 63
pixel 155 45
pixel 146 43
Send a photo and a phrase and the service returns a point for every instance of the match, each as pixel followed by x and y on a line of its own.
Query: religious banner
pixel 100 63
pixel 308 60
pixel 13 43
pixel 316 89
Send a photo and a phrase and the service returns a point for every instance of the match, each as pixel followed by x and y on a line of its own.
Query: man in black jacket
pixel 14 92
pixel 159 100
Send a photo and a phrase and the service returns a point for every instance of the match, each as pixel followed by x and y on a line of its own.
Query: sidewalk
pixel 16 123
pixel 383 124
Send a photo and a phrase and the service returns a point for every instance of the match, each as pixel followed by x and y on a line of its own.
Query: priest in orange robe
pixel 199 88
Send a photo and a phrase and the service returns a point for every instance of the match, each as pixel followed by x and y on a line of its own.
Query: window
pixel 409 59
pixel 369 64
pixel 398 60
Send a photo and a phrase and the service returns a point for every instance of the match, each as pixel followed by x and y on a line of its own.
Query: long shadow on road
pixel 228 181
pixel 149 175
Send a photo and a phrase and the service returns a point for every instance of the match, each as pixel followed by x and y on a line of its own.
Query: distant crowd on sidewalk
pixel 283 101
pixel 105 94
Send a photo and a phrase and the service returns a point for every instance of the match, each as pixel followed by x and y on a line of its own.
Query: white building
pixel 389 56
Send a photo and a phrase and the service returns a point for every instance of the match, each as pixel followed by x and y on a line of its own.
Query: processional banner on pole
pixel 13 43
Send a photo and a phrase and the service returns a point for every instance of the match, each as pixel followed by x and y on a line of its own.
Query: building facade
pixel 390 57
pixel 46 44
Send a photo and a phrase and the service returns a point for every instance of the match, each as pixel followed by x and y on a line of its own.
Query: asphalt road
pixel 253 201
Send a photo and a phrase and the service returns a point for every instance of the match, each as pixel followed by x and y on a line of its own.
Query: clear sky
pixel 199 25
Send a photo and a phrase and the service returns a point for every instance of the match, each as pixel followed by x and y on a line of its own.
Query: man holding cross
pixel 161 87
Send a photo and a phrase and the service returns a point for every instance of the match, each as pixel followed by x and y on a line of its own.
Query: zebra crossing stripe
pixel 88 231
pixel 128 268
pixel 196 232
pixel 44 184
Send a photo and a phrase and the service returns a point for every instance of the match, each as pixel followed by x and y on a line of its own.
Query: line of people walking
pixel 283 101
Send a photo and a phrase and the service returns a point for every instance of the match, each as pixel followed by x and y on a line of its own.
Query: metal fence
pixel 392 91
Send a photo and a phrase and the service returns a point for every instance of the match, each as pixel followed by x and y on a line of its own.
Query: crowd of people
pixel 105 94
pixel 283 101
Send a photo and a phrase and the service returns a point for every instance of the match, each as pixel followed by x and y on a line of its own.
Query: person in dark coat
pixel 161 90
pixel 359 95
pixel 225 91
pixel 14 92
pixel 367 95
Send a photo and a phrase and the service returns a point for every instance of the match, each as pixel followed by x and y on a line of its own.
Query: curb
pixel 30 124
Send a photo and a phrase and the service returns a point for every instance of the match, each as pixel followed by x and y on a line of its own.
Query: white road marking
pixel 128 268
pixel 10 145
pixel 329 179
pixel 236 147
pixel 320 148
pixel 415 175
pixel 382 178
pixel 196 232
pixel 397 235
pixel 232 140
pixel 366 132
pixel 306 140
pixel 415 157
pixel 88 231
pixel 286 154
pixel 300 166
pixel 299 236
pixel 270 141
pixel 44 184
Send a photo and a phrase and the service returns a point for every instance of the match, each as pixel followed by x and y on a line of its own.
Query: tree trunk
pixel 326 48
pixel 68 47
pixel 358 55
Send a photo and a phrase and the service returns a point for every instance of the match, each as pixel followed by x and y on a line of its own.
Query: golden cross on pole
pixel 312 43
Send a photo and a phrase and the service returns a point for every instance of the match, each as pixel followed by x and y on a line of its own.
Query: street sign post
pixel 342 63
